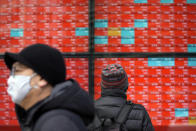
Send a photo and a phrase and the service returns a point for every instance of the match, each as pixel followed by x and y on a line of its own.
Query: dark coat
pixel 68 108
pixel 109 105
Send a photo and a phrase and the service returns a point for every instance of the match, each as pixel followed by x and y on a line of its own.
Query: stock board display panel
pixel 145 25
pixel 60 23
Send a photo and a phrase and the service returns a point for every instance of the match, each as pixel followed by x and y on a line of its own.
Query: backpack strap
pixel 96 124
pixel 97 121
pixel 124 112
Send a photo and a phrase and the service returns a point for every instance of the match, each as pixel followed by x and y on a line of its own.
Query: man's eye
pixel 18 70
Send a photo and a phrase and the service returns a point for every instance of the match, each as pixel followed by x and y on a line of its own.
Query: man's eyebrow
pixel 18 65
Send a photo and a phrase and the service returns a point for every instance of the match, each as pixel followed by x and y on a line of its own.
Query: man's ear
pixel 42 83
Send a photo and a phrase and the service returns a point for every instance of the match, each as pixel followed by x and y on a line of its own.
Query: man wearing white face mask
pixel 44 100
pixel 16 84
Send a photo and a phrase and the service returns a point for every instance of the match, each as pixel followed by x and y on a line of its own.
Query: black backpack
pixel 116 124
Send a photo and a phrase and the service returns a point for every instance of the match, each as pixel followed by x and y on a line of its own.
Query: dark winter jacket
pixel 68 108
pixel 109 105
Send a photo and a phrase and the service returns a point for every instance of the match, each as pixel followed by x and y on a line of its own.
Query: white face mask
pixel 18 87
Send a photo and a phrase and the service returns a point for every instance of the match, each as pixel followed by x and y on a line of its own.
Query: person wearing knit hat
pixel 114 76
pixel 114 85
pixel 44 99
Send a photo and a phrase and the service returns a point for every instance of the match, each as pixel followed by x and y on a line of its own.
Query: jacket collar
pixel 67 95
pixel 113 92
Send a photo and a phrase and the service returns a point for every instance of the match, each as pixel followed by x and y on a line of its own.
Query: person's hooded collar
pixel 67 95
